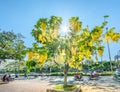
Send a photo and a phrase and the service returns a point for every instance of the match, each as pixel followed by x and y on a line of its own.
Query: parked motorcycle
pixel 78 77
pixel 93 75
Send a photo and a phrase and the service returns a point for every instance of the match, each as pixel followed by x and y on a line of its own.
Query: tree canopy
pixel 11 45
pixel 68 49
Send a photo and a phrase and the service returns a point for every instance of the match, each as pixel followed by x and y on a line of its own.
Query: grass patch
pixel 61 87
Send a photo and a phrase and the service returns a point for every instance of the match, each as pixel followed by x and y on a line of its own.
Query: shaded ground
pixel 104 84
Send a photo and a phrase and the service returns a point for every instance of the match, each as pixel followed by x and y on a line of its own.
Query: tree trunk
pixel 65 74
pixel 18 66
pixel 109 55
pixel 65 78
pixel 101 58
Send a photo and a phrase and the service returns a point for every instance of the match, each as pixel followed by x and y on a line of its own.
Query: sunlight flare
pixel 64 30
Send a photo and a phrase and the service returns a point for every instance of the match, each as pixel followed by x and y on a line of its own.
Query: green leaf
pixel 106 16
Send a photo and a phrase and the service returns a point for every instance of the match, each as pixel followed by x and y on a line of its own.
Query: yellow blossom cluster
pixel 96 34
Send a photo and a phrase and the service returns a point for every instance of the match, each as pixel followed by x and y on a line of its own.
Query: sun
pixel 64 30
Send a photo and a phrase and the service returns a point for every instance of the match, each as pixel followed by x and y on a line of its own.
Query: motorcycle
pixel 93 76
pixel 78 77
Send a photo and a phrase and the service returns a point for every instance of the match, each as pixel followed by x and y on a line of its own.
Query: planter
pixel 78 89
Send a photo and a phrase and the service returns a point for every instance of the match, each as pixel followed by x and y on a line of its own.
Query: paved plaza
pixel 40 84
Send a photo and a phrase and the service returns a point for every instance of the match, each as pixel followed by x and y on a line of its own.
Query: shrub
pixel 69 73
pixel 108 73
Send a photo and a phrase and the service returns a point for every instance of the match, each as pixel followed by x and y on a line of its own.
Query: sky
pixel 21 15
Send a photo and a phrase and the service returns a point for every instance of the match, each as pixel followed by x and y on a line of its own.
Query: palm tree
pixel 111 36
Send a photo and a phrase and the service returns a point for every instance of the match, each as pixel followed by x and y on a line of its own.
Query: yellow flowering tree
pixel 64 49
pixel 36 57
